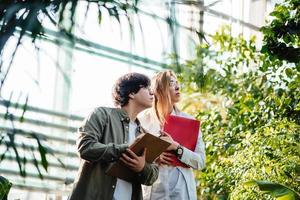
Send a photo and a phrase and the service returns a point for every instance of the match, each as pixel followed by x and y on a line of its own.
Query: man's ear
pixel 131 95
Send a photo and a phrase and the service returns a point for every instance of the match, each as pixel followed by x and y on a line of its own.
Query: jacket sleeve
pixel 195 159
pixel 148 175
pixel 90 133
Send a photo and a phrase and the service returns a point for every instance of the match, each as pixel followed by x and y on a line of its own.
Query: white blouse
pixel 165 187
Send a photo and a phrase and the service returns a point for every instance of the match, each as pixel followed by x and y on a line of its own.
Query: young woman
pixel 173 182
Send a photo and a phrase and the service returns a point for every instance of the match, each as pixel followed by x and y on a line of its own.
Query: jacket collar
pixel 124 116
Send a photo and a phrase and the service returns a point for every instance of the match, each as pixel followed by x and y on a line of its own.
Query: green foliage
pixel 281 35
pixel 27 15
pixel 19 18
pixel 258 136
pixel 8 139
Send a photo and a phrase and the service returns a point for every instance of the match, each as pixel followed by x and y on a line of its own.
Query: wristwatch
pixel 179 151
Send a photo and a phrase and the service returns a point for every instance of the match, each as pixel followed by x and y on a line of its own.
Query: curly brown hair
pixel 128 84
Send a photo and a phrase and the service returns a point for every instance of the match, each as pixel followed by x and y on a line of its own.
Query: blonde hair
pixel 162 97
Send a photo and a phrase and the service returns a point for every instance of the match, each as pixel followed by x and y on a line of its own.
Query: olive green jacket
pixel 102 138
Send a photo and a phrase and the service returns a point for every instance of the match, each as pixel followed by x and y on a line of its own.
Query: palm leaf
pixel 36 164
pixel 42 151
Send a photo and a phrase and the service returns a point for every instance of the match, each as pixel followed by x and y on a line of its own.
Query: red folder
pixel 184 131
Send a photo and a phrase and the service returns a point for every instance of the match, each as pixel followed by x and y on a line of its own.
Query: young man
pixel 104 138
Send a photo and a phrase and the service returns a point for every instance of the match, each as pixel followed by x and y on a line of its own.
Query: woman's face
pixel 174 90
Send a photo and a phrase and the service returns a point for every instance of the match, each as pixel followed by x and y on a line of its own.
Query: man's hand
pixel 164 159
pixel 134 162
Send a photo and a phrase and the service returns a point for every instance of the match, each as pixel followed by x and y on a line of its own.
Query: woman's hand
pixel 165 136
pixel 164 158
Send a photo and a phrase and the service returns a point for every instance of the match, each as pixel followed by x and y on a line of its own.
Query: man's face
pixel 144 97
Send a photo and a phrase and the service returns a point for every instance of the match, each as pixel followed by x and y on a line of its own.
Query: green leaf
pixel 280 192
pixel 276 13
pixel 5 186
pixel 99 15
pixel 289 72
pixel 114 12
pixel 297 107
pixel 43 152
pixel 24 107
pixel 12 145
